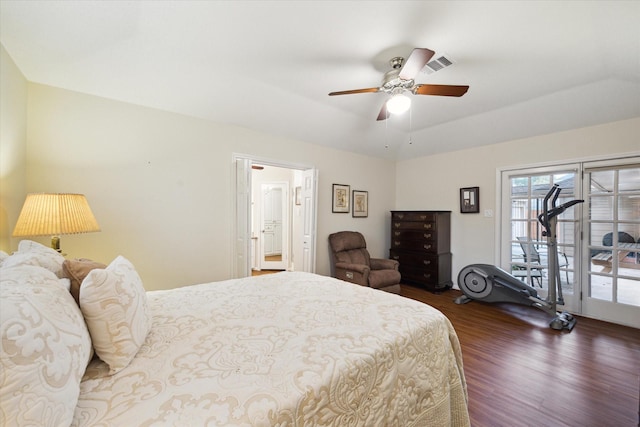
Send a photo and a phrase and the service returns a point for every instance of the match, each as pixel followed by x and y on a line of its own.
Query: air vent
pixel 437 64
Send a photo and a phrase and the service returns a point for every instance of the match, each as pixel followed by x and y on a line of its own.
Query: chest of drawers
pixel 421 243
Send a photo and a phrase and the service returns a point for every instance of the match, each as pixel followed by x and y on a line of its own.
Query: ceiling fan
pixel 400 80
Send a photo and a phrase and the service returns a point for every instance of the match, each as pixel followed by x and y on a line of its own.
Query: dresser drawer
pixel 414 226
pixel 423 261
pixel 413 216
pixel 421 236
pixel 415 245
pixel 422 277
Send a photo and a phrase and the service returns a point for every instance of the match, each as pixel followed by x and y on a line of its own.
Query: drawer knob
pixel 427 226
pixel 427 235
pixel 427 246
pixel 396 257
pixel 400 216
pixel 427 276
pixel 426 262
pixel 423 217
pixel 396 233
pixel 395 242
pixel 396 224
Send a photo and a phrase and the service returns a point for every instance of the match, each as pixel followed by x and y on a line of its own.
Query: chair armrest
pixel 354 273
pixel 383 264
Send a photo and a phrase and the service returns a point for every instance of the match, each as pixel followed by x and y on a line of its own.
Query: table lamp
pixel 53 214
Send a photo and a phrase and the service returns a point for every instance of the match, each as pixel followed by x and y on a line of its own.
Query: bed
pixel 287 349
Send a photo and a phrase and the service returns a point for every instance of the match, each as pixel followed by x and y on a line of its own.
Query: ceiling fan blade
pixel 415 62
pixel 384 114
pixel 440 90
pixel 350 92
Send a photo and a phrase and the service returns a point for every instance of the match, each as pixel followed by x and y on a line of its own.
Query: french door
pixel 612 241
pixel 598 240
pixel 525 250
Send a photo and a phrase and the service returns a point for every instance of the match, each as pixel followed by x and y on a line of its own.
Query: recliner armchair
pixel 352 263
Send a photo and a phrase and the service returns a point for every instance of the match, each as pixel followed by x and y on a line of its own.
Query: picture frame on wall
pixel 360 204
pixel 470 200
pixel 340 198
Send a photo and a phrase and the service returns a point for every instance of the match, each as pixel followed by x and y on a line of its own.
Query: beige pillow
pixel 45 348
pixel 76 270
pixel 114 304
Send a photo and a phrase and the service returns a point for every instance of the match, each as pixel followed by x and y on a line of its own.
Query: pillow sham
pixel 45 349
pixel 76 270
pixel 34 253
pixel 114 304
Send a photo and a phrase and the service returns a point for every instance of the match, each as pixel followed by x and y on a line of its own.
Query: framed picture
pixel 340 198
pixel 360 204
pixel 297 195
pixel 470 200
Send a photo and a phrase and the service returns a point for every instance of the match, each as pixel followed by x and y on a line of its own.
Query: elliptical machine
pixel 488 283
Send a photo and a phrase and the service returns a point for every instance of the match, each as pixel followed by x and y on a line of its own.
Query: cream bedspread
pixel 288 349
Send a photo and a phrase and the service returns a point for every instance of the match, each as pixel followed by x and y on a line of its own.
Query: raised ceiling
pixel 533 67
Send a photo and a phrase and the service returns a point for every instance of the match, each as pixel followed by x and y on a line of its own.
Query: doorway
pixel 278 235
pixel 271 212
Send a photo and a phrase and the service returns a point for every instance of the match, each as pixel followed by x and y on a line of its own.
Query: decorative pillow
pixel 76 270
pixel 115 307
pixel 45 348
pixel 33 253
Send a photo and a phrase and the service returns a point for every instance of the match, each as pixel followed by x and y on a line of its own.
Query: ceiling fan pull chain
pixel 410 125
pixel 386 133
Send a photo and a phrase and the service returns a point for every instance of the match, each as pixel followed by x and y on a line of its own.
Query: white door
pixel 611 283
pixel 308 200
pixel 275 226
pixel 242 210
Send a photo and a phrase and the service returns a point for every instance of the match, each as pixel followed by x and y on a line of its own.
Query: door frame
pixel 241 210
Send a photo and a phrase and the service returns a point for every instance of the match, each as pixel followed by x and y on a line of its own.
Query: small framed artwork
pixel 297 195
pixel 470 200
pixel 340 198
pixel 360 204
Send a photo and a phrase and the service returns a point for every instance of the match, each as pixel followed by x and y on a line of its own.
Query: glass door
pixel 612 244
pixel 526 254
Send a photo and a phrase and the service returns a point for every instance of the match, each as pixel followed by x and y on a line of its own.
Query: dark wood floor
pixel 522 373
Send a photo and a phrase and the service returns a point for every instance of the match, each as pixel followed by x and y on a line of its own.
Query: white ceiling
pixel 533 67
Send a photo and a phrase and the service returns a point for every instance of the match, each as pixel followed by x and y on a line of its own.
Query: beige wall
pixel 433 182
pixel 13 147
pixel 160 184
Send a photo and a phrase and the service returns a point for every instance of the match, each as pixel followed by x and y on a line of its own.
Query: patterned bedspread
pixel 288 349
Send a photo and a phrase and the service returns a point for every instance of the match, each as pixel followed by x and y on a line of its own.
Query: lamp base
pixel 55 244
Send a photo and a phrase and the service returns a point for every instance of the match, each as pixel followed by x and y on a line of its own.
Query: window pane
pixel 601 287
pixel 597 233
pixel 519 209
pixel 629 291
pixel 601 208
pixel 602 182
pixel 629 180
pixel 629 207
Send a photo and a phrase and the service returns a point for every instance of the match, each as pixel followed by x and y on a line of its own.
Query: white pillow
pixel 45 348
pixel 3 256
pixel 33 253
pixel 114 304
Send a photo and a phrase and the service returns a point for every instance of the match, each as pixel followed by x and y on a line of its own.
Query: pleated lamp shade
pixel 53 214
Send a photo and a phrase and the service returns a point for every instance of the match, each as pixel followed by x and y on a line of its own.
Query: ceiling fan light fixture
pixel 398 104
